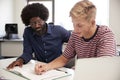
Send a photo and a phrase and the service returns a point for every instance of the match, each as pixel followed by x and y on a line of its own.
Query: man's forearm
pixel 58 62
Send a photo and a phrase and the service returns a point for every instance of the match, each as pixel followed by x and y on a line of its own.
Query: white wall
pixel 10 11
pixel 6 14
pixel 114 18
pixel 18 6
pixel 62 12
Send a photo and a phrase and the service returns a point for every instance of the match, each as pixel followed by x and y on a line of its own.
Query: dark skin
pixel 38 25
pixel 18 62
pixel 34 15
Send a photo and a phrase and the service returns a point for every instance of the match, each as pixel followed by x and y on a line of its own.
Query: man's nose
pixel 37 25
pixel 76 30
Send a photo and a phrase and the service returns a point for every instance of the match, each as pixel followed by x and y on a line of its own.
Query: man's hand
pixel 40 68
pixel 18 62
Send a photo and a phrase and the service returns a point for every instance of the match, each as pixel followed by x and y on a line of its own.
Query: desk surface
pixel 5 74
pixel 11 40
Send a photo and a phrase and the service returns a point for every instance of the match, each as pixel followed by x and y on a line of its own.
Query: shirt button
pixel 45 51
pixel 44 44
pixel 46 60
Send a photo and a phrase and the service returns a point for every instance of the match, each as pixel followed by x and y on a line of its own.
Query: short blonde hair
pixel 83 9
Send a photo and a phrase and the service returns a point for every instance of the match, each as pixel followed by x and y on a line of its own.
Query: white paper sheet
pixel 28 71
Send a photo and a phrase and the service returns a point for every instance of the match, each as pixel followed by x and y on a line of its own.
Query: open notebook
pixel 102 68
pixel 27 72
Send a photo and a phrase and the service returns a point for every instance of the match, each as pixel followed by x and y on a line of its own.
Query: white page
pixel 28 71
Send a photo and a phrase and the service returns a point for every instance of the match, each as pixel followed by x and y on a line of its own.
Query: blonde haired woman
pixel 87 40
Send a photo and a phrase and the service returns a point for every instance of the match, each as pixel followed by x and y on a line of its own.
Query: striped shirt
pixel 102 43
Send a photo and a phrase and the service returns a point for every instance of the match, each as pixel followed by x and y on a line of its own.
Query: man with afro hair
pixel 42 40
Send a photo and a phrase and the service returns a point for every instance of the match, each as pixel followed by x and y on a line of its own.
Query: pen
pixel 61 70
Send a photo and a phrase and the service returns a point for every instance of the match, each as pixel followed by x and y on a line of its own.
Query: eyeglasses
pixel 41 22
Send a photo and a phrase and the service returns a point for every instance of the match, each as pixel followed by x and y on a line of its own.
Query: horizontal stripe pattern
pixel 102 44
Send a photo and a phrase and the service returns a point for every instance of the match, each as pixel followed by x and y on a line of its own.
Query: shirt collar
pixel 48 29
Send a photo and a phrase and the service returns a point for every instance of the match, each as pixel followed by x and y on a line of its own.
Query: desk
pixel 11 47
pixel 5 62
pixel 5 74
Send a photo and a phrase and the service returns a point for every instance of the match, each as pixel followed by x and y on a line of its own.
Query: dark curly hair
pixel 34 10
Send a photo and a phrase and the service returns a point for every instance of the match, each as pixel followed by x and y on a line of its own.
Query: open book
pixel 27 72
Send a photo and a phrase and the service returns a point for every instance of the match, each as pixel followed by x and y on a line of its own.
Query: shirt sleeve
pixel 69 51
pixel 27 49
pixel 106 45
pixel 65 34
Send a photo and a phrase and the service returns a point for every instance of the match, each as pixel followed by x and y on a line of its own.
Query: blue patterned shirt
pixel 46 47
